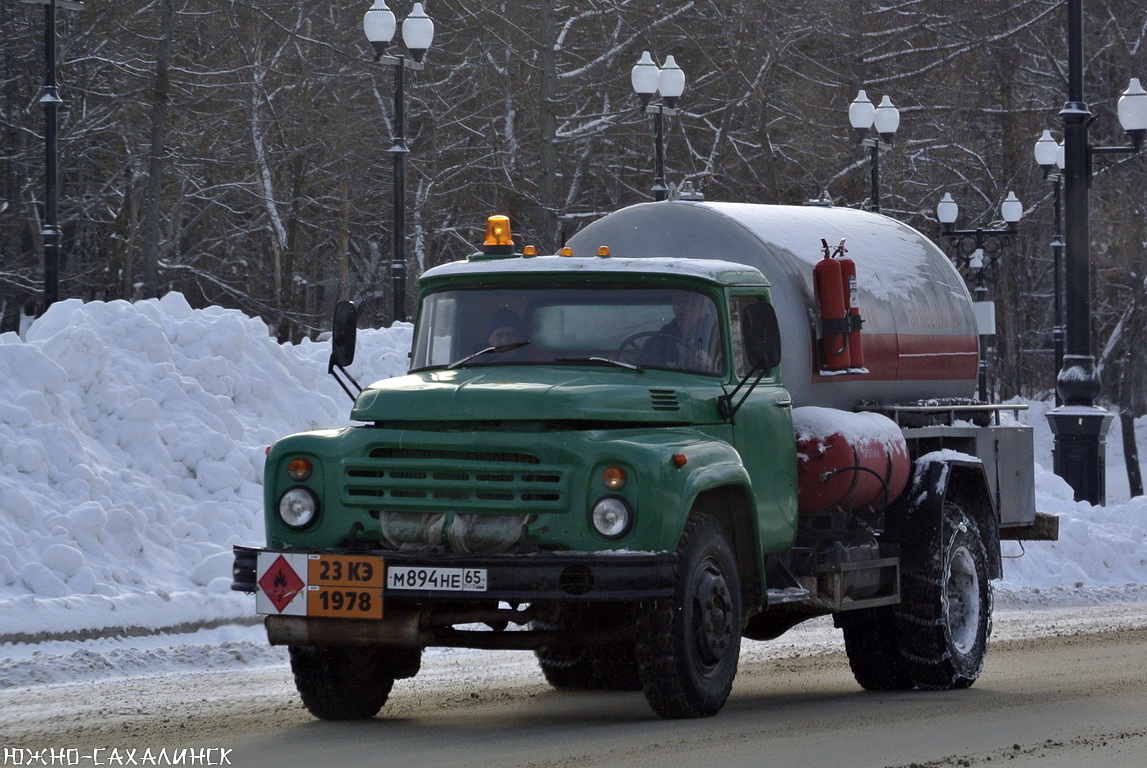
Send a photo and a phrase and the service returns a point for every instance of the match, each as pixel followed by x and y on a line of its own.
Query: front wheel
pixel 348 683
pixel 688 645
pixel 945 614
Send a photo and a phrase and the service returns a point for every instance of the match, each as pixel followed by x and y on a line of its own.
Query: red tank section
pixel 835 470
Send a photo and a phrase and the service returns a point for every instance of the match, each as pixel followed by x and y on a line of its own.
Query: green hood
pixel 520 393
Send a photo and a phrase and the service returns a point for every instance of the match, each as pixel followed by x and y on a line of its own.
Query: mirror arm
pixel 725 408
pixel 331 370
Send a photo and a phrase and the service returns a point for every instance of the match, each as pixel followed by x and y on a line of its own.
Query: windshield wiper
pixel 602 360
pixel 487 351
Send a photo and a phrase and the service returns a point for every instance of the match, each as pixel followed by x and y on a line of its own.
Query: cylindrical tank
pixel 919 333
pixel 848 460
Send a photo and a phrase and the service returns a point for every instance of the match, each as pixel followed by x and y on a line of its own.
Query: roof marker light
pixel 565 251
pixel 603 251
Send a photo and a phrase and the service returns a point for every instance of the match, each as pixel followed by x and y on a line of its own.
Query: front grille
pixel 417 454
pixel 462 481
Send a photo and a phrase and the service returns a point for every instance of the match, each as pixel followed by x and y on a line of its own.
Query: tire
pixel 870 640
pixel 347 683
pixel 944 618
pixel 687 645
pixel 610 667
pixel 590 668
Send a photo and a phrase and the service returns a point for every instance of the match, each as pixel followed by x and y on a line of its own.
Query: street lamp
pixel 1049 157
pixel 885 119
pixel 1080 427
pixel 379 25
pixel 51 100
pixel 647 79
pixel 978 250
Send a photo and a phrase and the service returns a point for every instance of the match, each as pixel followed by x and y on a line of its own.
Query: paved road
pixel 1071 694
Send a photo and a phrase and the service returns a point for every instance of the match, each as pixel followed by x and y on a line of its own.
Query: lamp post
pixel 1079 425
pixel 885 119
pixel 417 33
pixel 979 249
pixel 647 79
pixel 1049 157
pixel 50 98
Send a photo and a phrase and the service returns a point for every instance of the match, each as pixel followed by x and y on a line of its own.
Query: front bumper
pixel 512 578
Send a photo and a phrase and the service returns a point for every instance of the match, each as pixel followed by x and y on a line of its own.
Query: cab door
pixel 763 430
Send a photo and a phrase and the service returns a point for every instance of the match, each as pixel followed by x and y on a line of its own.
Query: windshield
pixel 667 328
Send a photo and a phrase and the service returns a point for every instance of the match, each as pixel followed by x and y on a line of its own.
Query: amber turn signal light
pixel 299 469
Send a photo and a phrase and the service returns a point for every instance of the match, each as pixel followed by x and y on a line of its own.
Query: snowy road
pixel 1062 686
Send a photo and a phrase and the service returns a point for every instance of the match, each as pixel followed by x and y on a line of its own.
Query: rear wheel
pixel 611 667
pixel 590 668
pixel 338 683
pixel 873 650
pixel 945 615
pixel 688 645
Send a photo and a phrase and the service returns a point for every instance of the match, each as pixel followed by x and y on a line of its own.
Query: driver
pixel 688 340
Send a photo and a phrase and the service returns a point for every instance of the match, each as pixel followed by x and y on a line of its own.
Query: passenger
pixel 504 327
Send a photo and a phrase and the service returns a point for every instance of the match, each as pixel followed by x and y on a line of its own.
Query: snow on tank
pixel 919 331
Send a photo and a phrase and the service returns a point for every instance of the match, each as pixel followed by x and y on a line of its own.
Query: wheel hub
pixel 962 600
pixel 712 616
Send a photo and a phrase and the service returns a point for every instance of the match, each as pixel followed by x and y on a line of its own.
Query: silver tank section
pixel 919 331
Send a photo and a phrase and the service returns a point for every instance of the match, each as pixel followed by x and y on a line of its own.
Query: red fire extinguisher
pixel 834 323
pixel 852 306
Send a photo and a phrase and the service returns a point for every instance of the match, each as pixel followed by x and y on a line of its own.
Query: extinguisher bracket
pixel 855 322
pixel 835 325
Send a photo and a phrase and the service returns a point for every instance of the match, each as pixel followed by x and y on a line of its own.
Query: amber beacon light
pixel 499 239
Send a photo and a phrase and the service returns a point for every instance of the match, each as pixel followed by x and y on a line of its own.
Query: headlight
pixel 612 516
pixel 298 507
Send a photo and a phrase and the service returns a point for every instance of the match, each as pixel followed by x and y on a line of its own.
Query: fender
pixel 721 488
pixel 710 463
pixel 713 478
pixel 937 478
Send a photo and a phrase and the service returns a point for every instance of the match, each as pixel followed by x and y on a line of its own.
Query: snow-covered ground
pixel 132 439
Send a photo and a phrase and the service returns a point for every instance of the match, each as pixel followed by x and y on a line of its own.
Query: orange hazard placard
pixel 345 586
pixel 344 603
pixel 356 571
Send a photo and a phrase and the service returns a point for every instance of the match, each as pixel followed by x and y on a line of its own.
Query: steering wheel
pixel 631 341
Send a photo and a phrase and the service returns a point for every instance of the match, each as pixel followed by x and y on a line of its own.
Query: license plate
pixel 436 579
pixel 345 586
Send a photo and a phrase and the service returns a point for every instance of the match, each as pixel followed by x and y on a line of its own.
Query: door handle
pixel 783 403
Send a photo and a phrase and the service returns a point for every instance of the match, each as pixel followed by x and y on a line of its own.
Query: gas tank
pixel 848 460
pixel 919 334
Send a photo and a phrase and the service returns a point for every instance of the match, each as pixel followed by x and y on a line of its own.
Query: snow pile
pixel 132 439
pixel 1097 547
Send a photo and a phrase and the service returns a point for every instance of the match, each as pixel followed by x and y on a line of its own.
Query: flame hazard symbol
pixel 281 583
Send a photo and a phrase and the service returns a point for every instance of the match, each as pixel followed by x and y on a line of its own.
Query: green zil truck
pixel 595 456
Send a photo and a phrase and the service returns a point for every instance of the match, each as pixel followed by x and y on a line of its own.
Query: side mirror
pixel 761 335
pixel 343 335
